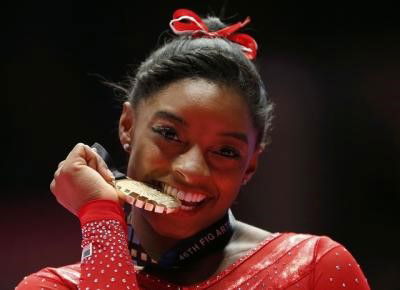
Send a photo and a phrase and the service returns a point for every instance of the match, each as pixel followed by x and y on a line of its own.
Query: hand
pixel 83 176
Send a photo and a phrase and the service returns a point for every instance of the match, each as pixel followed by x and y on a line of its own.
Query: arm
pixel 82 185
pixel 106 262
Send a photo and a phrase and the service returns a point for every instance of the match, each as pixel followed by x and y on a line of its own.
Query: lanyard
pixel 210 239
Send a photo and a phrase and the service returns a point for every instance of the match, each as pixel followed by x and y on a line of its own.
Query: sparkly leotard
pixel 282 261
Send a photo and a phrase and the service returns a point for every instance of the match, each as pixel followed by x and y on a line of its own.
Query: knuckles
pixel 52 185
pixel 68 170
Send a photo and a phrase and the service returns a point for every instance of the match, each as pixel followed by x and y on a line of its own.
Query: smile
pixel 189 200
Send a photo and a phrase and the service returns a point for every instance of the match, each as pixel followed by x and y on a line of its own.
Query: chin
pixel 175 234
pixel 167 225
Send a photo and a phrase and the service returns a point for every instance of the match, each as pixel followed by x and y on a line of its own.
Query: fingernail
pixel 94 149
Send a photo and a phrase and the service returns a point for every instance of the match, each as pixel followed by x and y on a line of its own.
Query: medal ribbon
pixel 212 238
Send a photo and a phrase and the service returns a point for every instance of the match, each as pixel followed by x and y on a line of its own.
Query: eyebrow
pixel 237 135
pixel 170 116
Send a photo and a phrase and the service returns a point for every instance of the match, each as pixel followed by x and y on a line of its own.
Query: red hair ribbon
pixel 186 21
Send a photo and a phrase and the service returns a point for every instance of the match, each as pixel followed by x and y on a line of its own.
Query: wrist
pixel 101 209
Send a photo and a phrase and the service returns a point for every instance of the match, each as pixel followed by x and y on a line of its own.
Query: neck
pixel 171 252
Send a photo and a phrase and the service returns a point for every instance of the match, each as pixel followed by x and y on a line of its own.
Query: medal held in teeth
pixel 146 197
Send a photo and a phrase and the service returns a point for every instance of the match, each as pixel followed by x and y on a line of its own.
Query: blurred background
pixel 332 69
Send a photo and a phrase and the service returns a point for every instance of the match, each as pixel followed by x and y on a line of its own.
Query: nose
pixel 190 167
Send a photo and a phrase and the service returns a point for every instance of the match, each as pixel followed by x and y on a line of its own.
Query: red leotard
pixel 282 261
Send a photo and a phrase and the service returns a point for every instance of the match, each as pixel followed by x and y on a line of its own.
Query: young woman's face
pixel 197 139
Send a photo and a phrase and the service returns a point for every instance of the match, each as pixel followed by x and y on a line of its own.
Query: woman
pixel 194 125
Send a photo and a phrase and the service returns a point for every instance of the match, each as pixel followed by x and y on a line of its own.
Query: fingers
pixel 52 185
pixel 56 174
pixel 83 155
pixel 59 168
pixel 124 198
pixel 60 164
pixel 96 162
pixel 81 177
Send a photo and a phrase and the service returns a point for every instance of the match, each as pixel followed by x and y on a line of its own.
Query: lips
pixel 189 200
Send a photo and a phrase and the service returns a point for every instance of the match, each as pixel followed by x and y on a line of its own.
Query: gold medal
pixel 146 197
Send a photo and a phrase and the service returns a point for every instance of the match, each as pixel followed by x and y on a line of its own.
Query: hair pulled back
pixel 214 59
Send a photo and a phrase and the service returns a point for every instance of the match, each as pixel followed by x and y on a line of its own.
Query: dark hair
pixel 215 59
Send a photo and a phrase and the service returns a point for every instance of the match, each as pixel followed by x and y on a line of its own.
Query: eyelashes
pixel 228 152
pixel 170 134
pixel 166 132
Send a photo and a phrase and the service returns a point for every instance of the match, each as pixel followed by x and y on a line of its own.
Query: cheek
pixel 146 159
pixel 229 181
pixel 228 184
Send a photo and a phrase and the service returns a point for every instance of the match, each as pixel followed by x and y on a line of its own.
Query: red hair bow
pixel 187 22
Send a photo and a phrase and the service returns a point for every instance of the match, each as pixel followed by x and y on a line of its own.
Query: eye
pixel 168 133
pixel 228 152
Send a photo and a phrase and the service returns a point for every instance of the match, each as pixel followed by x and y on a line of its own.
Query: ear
pixel 252 166
pixel 126 124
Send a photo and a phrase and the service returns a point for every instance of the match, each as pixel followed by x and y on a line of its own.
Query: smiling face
pixel 197 139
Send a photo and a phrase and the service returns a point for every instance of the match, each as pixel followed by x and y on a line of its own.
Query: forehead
pixel 197 97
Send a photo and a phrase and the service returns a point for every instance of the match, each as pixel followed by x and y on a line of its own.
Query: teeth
pixel 185 207
pixel 174 191
pixel 189 197
pixel 183 196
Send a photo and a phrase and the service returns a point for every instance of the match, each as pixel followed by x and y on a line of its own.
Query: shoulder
pixel 254 237
pixel 312 245
pixel 66 277
pixel 320 249
pixel 326 263
pixel 315 248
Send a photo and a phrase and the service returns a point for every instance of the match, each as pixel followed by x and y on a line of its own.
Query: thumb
pixel 124 198
pixel 97 163
pixel 108 176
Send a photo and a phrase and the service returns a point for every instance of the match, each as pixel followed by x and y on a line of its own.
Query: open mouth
pixel 189 200
pixel 142 195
